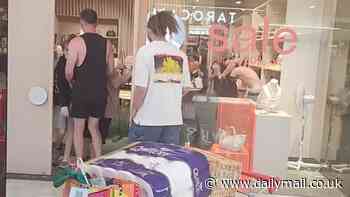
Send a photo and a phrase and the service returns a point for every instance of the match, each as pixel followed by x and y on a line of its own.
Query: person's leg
pixel 104 125
pixel 88 149
pixel 68 140
pixel 170 135
pixel 95 136
pixel 60 128
pixel 55 147
pixel 60 136
pixel 57 137
pixel 79 112
pixel 79 126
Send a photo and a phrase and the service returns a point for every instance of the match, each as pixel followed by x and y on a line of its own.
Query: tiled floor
pixel 25 188
pixel 263 195
pixel 310 175
pixel 345 177
pixel 22 188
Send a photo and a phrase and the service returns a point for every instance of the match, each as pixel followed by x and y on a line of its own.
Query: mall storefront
pixel 302 44
pixel 50 23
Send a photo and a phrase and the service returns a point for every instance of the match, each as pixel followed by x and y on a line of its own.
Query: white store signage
pixel 210 16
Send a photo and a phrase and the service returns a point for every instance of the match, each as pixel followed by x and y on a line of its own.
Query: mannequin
pixel 270 96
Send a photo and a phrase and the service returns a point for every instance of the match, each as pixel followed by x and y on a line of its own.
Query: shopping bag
pixel 110 191
pixel 102 193
pixel 79 192
pixel 69 184
pixel 95 187
pixel 128 188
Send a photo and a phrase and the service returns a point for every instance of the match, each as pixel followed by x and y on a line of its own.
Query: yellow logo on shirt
pixel 170 66
pixel 168 69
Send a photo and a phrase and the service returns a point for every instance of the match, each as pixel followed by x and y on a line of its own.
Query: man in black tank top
pixel 89 62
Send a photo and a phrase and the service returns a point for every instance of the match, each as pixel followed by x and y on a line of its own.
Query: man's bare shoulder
pixel 237 71
pixel 109 44
pixel 76 42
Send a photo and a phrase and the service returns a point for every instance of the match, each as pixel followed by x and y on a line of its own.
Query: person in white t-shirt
pixel 161 76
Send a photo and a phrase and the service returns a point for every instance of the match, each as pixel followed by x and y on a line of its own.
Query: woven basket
pixel 222 168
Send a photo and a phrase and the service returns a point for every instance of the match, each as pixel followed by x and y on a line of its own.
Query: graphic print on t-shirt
pixel 168 69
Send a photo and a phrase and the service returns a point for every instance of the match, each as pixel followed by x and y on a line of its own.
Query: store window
pixel 335 142
pixel 3 93
pixel 225 33
pixel 270 84
pixel 115 23
pixel 290 57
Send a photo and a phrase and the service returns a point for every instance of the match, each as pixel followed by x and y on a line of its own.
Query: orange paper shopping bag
pixel 102 193
pixel 128 188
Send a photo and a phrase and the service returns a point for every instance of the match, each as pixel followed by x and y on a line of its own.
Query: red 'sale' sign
pixel 218 38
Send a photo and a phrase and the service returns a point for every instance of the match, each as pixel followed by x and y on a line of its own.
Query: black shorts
pixel 84 109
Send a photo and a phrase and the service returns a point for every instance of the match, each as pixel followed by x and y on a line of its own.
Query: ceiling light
pixel 238 2
pixel 312 6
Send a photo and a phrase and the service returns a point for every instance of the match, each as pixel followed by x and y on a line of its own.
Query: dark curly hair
pixel 162 21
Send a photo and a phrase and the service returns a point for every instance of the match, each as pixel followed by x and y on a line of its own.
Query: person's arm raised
pixel 230 67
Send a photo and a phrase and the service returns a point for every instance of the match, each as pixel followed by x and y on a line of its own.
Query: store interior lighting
pixel 263 5
pixel 305 27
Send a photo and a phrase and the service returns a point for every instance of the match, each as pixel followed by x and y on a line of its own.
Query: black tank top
pixel 91 77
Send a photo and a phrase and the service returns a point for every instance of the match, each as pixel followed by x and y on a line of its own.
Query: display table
pixel 271 144
pixel 152 169
pixel 214 113
pixel 269 132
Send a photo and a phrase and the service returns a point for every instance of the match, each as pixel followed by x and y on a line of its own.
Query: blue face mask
pixel 179 38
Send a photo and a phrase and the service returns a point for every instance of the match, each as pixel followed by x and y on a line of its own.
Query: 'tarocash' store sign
pixel 219 32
